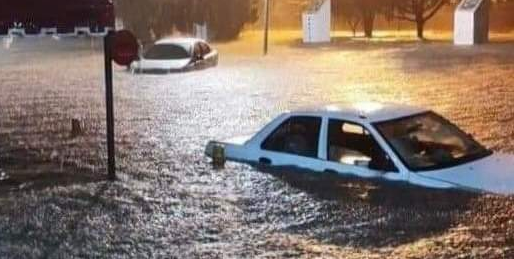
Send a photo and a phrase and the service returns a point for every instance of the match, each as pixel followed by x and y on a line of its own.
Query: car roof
pixel 180 41
pixel 369 112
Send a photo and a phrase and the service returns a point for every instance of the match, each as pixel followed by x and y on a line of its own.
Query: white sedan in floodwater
pixel 176 55
pixel 393 143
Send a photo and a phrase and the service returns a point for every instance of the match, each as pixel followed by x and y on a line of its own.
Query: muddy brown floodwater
pixel 170 203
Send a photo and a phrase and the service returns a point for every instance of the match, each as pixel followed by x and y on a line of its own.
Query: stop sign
pixel 124 48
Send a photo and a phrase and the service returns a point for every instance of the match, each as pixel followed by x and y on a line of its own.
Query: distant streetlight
pixel 266 26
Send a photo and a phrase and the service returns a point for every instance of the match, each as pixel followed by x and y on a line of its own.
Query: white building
pixel 201 31
pixel 471 22
pixel 316 22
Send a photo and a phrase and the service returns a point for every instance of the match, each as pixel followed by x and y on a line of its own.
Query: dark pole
pixel 266 27
pixel 111 163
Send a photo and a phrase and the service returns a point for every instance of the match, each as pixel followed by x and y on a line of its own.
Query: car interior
pixel 351 144
pixel 297 135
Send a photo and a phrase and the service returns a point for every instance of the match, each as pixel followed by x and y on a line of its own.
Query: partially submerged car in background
pixel 392 143
pixel 176 55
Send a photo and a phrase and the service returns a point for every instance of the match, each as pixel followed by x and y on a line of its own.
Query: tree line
pixel 225 19
pixel 154 19
pixel 363 13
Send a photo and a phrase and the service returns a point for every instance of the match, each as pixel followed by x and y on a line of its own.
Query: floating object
pixel 218 156
pixel 76 128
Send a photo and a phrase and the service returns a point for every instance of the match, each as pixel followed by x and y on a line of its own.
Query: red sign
pixel 124 48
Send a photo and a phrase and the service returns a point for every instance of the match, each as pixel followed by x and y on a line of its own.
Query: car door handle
pixel 264 161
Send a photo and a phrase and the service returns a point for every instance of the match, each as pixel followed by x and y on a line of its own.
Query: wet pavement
pixel 169 202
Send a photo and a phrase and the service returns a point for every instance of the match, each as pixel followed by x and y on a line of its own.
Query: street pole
pixel 111 163
pixel 266 26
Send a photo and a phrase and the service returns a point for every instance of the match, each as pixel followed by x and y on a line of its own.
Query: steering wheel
pixel 439 154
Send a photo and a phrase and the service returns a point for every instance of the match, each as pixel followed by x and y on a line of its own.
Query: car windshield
pixel 429 142
pixel 166 52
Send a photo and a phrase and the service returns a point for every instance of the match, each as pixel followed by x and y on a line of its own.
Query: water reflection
pixel 171 203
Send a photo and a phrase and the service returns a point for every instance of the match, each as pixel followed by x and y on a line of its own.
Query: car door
pixel 352 150
pixel 295 142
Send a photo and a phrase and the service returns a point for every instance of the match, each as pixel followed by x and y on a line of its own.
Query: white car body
pixel 491 174
pixel 196 59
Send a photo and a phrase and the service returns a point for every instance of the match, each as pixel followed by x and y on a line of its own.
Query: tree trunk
pixel 420 25
pixel 353 27
pixel 369 20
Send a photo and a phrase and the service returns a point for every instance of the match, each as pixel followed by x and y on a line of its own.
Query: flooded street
pixel 170 203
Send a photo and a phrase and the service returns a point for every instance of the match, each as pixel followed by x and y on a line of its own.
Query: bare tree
pixel 417 11
pixel 362 12
pixel 369 10
pixel 348 11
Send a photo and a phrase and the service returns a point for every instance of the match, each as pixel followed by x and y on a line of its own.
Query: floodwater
pixel 170 203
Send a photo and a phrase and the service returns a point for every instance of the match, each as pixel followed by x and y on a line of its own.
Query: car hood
pixel 493 174
pixel 162 64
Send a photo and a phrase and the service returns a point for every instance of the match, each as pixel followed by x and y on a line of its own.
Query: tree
pixel 369 10
pixel 418 11
pixel 361 11
pixel 347 10
pixel 153 19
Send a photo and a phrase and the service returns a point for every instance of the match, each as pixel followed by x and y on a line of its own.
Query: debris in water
pixel 76 128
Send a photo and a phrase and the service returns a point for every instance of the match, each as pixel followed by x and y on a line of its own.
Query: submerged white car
pixel 394 143
pixel 176 55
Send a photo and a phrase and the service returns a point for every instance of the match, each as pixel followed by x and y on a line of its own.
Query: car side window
pixel 205 48
pixel 352 144
pixel 297 136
